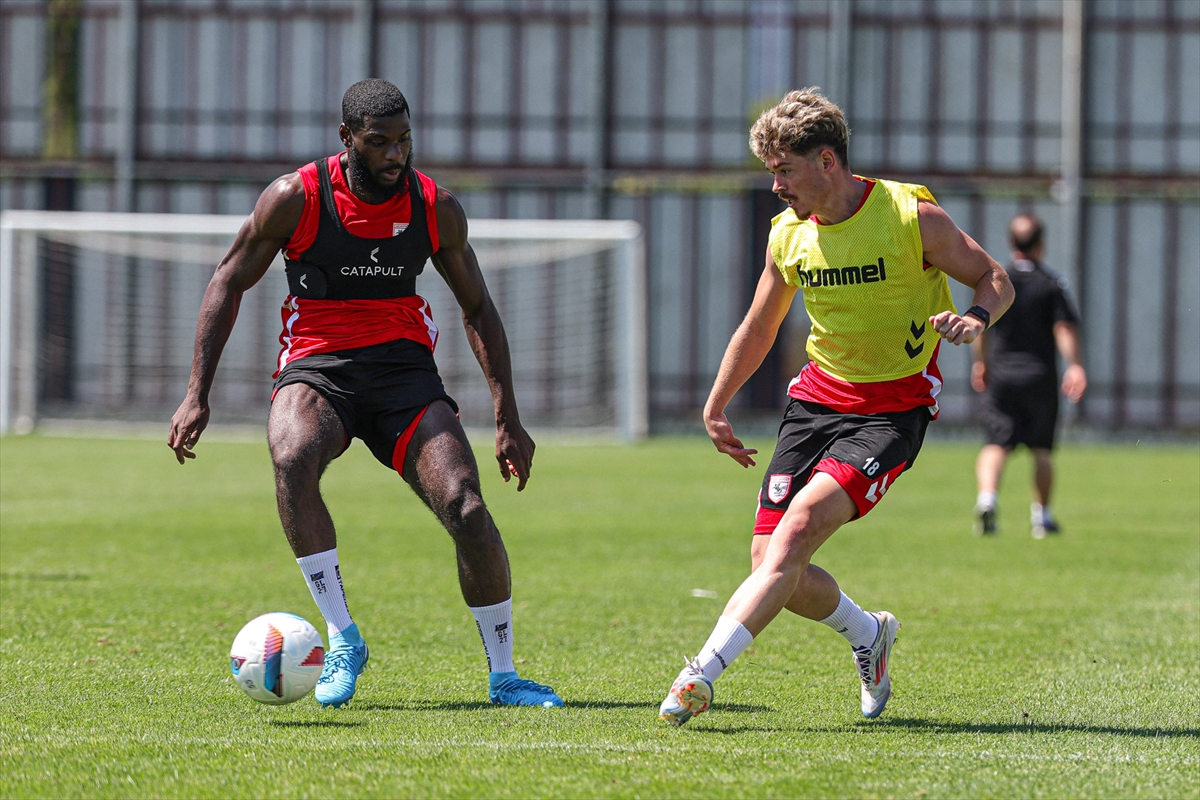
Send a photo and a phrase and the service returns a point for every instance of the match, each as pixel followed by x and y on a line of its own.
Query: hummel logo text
pixel 832 276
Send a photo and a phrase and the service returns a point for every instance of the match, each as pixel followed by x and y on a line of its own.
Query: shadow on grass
pixel 931 726
pixel 425 705
pixel 742 708
pixel 734 730
pixel 450 705
pixel 312 723
pixel 745 726
pixel 607 704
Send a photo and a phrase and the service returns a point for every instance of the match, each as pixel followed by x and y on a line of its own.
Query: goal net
pixel 98 317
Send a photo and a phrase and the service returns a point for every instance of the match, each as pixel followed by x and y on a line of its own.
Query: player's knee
pixel 293 464
pixel 464 512
pixel 795 528
pixel 795 539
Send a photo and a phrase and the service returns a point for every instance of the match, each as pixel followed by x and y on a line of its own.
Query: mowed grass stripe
pixel 1059 668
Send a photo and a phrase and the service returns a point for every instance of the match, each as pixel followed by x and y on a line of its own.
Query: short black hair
pixel 1026 240
pixel 373 97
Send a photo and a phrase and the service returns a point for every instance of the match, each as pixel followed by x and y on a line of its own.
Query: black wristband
pixel 982 313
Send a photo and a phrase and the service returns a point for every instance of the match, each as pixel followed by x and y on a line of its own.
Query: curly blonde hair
pixel 802 121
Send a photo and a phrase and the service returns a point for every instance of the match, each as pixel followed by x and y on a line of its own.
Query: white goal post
pixel 98 314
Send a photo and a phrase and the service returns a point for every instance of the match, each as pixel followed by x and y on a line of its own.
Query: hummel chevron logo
pixel 914 350
pixel 877 490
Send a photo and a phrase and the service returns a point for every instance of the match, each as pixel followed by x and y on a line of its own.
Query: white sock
pixel 857 626
pixel 324 580
pixel 985 501
pixel 495 628
pixel 727 641
pixel 1039 514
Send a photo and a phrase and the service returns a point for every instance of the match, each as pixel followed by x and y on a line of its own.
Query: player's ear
pixel 345 134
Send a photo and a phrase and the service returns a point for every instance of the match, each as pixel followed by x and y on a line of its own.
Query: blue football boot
pixel 506 689
pixel 344 662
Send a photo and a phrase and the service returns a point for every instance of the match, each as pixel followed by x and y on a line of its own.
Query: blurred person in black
pixel 1016 370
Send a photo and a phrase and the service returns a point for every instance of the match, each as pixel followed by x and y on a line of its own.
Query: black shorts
pixel 377 391
pixel 863 453
pixel 1024 413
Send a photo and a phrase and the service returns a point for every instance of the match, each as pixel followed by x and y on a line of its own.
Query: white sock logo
pixel 318 580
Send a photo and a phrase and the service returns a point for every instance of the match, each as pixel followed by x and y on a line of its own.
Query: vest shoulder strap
pixel 326 186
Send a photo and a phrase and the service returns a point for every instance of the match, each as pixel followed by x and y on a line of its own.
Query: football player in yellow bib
pixel 871 258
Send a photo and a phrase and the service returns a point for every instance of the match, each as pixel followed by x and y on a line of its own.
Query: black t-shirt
pixel 1020 347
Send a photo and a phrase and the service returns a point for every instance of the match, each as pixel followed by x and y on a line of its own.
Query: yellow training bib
pixel 866 288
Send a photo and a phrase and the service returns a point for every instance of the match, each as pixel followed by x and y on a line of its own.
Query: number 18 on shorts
pixel 865 454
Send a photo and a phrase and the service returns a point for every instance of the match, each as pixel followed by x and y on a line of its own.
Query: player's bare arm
pixel 262 236
pixel 745 353
pixel 953 252
pixel 979 363
pixel 455 260
pixel 1074 381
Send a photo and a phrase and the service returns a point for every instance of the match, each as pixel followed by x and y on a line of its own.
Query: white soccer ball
pixel 277 658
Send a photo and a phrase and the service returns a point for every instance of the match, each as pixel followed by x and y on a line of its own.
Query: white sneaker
pixel 690 694
pixel 872 663
pixel 985 521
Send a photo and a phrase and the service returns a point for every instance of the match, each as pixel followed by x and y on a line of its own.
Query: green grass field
pixel 1068 667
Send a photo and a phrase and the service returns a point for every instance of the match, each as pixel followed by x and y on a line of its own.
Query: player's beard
pixel 366 181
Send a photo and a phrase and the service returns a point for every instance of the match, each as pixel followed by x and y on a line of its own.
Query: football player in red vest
pixel 356 229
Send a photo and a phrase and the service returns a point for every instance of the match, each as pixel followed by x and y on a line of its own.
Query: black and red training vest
pixel 341 266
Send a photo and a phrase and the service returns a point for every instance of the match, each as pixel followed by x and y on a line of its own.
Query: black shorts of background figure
pixel 1016 414
pixel 377 391
pixel 871 450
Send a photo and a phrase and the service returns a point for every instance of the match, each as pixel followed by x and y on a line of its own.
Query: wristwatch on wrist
pixel 982 314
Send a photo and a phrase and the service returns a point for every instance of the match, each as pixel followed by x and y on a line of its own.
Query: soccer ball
pixel 277 658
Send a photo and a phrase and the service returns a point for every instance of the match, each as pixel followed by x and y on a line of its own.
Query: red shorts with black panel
pixel 379 392
pixel 864 453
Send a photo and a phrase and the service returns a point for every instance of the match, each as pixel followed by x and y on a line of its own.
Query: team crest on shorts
pixel 778 488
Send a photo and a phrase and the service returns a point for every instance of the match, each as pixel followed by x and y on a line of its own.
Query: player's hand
pixel 955 329
pixel 186 426
pixel 721 433
pixel 514 452
pixel 978 376
pixel 1074 383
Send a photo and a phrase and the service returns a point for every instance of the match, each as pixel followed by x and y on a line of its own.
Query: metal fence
pixel 1085 112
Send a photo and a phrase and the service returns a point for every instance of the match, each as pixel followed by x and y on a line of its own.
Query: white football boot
pixel 690 694
pixel 873 663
